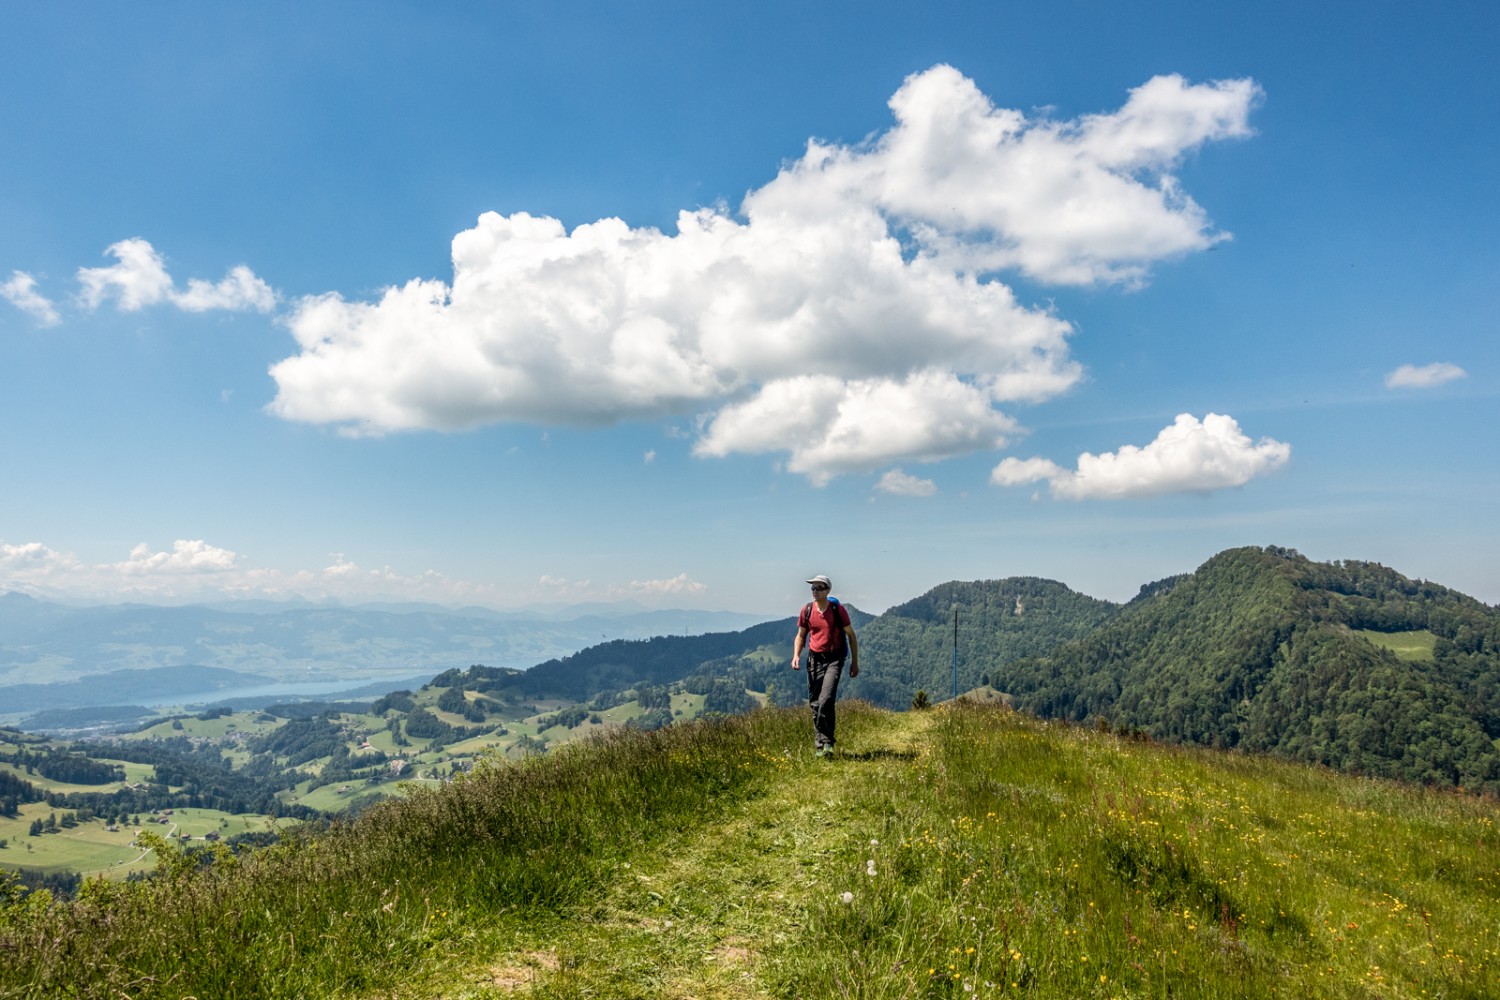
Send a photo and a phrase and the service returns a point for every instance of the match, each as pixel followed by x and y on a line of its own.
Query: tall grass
pixel 409 885
pixel 1021 858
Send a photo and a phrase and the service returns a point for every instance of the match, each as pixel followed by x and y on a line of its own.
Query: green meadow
pixel 962 851
pixel 1417 645
pixel 90 849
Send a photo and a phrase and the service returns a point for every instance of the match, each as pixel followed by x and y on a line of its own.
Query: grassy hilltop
pixel 966 850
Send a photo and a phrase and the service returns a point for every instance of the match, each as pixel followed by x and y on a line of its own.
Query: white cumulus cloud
pixel 240 289
pixel 900 484
pixel 186 557
pixel 1190 456
pixel 139 278
pixel 848 314
pixel 20 291
pixel 1423 376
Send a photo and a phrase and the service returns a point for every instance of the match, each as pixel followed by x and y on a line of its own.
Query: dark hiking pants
pixel 823 673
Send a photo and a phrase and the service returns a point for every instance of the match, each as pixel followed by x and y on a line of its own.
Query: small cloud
pixel 21 292
pixel 186 557
pixel 679 584
pixel 650 456
pixel 341 568
pixel 1423 376
pixel 1188 457
pixel 898 483
pixel 139 278
pixel 239 290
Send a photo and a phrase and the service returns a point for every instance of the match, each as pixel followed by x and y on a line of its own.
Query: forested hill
pixel 910 647
pixel 1347 664
pixel 628 663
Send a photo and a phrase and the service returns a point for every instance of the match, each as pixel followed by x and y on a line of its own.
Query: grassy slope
pixel 1010 857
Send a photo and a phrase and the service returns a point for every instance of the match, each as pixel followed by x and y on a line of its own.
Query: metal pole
pixel 955 652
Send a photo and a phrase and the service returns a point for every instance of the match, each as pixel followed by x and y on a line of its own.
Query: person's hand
pixel 854 670
pixel 796 663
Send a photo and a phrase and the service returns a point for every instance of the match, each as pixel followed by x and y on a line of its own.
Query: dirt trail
pixel 703 915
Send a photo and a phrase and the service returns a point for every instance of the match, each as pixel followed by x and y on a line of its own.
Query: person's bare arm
pixel 853 650
pixel 797 644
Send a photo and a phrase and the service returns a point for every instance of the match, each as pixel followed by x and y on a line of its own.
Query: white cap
pixel 821 579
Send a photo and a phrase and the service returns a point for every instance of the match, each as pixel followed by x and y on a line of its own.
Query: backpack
pixel 841 641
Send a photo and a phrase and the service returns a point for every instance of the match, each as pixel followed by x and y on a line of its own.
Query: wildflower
pixel 846 898
pixel 870 868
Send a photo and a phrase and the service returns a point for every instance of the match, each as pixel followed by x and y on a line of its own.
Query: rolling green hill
pixel 963 851
pixel 1265 650
pixel 910 647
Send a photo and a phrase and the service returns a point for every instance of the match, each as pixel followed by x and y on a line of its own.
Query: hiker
pixel 824 628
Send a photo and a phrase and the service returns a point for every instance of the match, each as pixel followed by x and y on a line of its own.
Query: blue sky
pixel 680 303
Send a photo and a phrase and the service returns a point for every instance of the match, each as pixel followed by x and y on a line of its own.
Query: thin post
pixel 955 651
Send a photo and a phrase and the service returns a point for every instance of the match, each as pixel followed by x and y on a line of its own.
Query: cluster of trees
pixel 477 677
pixel 423 725
pixel 54 825
pixel 656 718
pixel 722 695
pixel 14 792
pixel 570 718
pixel 73 767
pixel 301 740
pixel 396 701
pixel 453 700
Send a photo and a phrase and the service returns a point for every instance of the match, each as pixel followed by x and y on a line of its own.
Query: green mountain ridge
pixel 1260 650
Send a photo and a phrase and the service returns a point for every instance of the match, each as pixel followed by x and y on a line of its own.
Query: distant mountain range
pixel 44 643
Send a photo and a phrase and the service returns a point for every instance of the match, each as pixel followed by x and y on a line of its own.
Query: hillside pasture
pixel 1417 646
pixel 90 848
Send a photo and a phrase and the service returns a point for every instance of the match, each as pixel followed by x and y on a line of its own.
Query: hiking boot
pixel 824 752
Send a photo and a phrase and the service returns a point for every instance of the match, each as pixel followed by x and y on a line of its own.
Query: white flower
pixel 870 868
pixel 846 898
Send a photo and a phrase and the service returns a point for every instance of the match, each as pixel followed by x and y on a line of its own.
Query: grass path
pixel 706 912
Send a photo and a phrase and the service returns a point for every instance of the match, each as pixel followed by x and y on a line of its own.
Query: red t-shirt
pixel 825 632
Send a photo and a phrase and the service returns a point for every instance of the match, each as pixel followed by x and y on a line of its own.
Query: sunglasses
pixel 819 586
